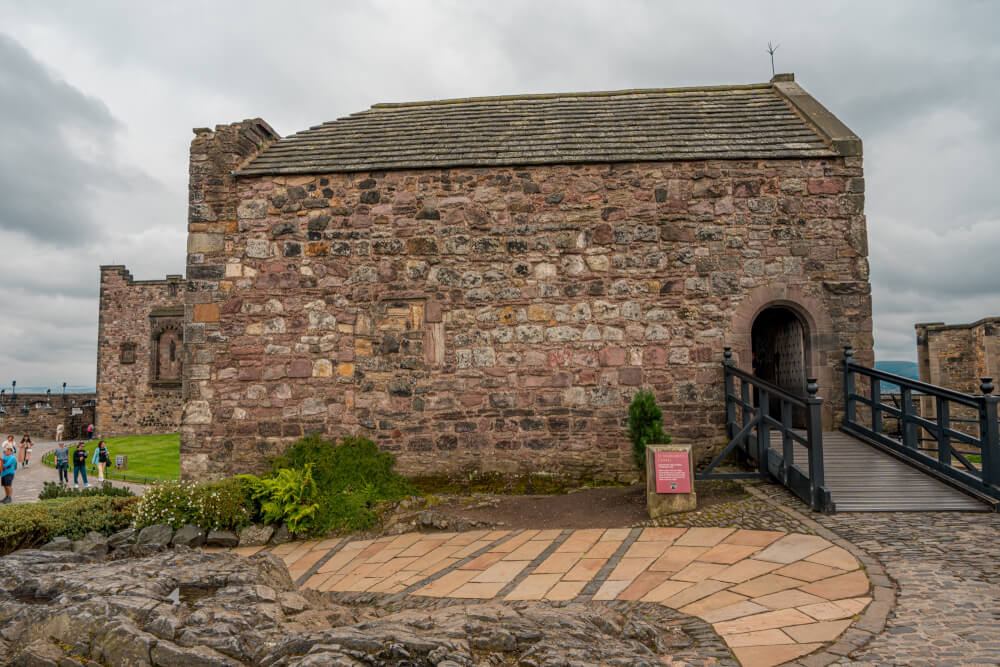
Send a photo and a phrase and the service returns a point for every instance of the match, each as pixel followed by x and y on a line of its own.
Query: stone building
pixel 139 354
pixel 956 356
pixel 483 284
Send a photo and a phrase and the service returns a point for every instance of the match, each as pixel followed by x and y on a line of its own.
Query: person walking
pixel 7 475
pixel 59 433
pixel 19 451
pixel 102 457
pixel 10 443
pixel 62 463
pixel 79 465
pixel 90 432
pixel 27 450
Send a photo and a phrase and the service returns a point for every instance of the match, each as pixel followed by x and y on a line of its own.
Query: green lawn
pixel 149 456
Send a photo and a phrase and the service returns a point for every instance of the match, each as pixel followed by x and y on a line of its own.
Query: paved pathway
pixel 28 481
pixel 946 567
pixel 772 596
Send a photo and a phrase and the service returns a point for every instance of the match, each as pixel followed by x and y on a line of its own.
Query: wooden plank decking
pixel 861 478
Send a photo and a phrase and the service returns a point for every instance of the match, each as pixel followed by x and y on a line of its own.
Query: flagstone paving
pixel 772 596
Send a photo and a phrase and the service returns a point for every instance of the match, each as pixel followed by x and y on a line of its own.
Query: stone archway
pixel 779 345
pixel 821 350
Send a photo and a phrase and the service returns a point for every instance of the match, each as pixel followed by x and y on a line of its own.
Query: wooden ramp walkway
pixel 861 478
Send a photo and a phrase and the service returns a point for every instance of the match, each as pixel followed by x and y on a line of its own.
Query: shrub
pixel 290 495
pixel 219 505
pixel 32 524
pixel 52 490
pixel 351 479
pixel 645 426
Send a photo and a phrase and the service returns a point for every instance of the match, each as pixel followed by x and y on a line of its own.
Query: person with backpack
pixel 62 463
pixel 79 465
pixel 7 475
pixel 102 457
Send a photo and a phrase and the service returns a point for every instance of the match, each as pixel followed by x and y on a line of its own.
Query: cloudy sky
pixel 97 102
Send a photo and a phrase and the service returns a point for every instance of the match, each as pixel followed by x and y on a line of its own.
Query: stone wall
pixel 956 356
pixel 138 386
pixel 502 318
pixel 45 414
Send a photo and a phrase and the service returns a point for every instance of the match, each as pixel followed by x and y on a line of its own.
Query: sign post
pixel 669 480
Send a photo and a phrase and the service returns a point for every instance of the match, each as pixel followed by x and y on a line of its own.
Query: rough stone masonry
pixel 484 284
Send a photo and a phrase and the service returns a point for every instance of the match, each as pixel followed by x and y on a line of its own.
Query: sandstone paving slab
pixel 676 558
pixel 765 585
pixel 657 534
pixel 848 585
pixel 667 589
pixel 533 587
pixel 565 590
pixel 825 631
pixel 728 577
pixel 745 570
pixel 791 597
pixel 728 553
pixel 759 638
pixel 807 571
pixel 791 548
pixel 754 538
pixel 703 537
pixel 768 656
pixel 837 557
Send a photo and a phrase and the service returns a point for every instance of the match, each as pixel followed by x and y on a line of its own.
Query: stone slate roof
pixel 727 122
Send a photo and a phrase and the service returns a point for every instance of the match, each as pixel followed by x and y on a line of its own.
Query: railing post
pixel 727 363
pixel 814 436
pixel 850 411
pixel 876 387
pixel 908 428
pixel 787 444
pixel 943 422
pixel 746 415
pixel 988 433
pixel 763 431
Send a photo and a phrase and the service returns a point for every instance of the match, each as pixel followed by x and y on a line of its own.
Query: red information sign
pixel 673 474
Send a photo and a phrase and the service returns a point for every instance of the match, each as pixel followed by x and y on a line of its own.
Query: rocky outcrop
pixel 187 607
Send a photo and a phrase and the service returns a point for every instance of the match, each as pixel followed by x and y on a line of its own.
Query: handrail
pixel 780 392
pixel 755 417
pixel 985 480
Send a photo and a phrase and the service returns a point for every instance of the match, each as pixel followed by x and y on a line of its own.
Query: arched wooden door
pixel 778 339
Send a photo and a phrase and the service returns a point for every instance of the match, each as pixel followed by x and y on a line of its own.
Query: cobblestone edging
pixel 707 643
pixel 873 618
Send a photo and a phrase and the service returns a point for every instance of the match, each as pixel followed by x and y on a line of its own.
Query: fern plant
pixel 645 426
pixel 289 496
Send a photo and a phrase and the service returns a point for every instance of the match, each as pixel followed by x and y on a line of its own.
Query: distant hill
pixel 907 369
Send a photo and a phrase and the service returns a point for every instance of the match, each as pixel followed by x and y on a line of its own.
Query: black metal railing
pixel 749 425
pixel 980 433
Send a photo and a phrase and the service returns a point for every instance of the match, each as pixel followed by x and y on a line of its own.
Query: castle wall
pixel 138 385
pixel 501 318
pixel 44 414
pixel 956 356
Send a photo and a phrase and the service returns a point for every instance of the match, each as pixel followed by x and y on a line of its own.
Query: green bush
pixel 219 505
pixel 645 426
pixel 52 490
pixel 33 524
pixel 351 479
pixel 288 496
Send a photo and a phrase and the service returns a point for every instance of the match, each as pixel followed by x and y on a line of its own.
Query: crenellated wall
pixel 139 372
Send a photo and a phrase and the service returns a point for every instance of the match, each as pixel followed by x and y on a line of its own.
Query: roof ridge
pixel 553 96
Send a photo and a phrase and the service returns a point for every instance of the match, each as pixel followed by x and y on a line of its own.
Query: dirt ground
pixel 607 507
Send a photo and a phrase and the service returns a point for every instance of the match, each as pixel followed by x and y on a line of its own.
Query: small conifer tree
pixel 645 426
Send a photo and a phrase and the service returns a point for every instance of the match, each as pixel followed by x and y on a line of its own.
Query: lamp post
pixel 64 394
pixel 13 391
pixel 2 397
pixel 48 397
